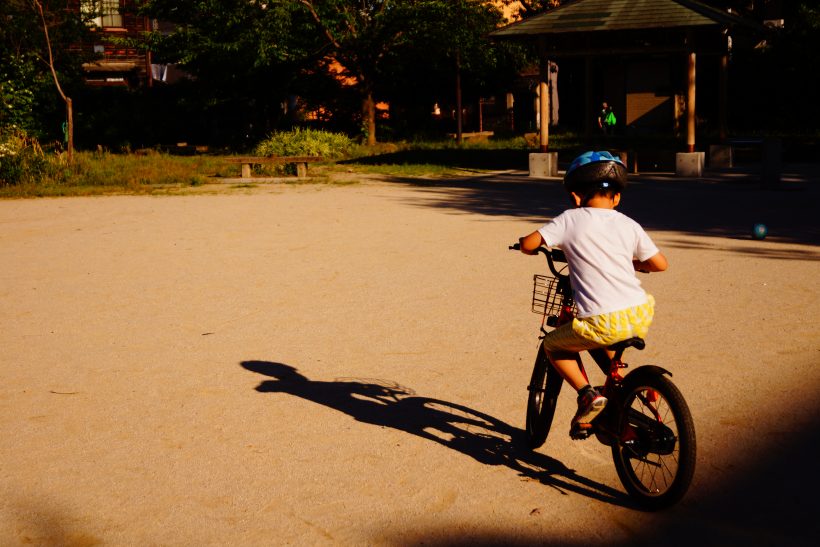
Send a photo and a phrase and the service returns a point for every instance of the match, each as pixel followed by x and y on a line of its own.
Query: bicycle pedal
pixel 579 432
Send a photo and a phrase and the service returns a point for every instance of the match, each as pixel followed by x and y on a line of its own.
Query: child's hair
pixel 593 172
pixel 595 192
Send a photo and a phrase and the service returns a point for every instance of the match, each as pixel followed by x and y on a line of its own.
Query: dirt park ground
pixel 347 364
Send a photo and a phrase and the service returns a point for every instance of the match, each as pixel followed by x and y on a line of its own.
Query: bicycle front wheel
pixel 655 455
pixel 545 385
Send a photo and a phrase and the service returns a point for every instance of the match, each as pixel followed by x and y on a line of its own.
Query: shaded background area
pixel 721 204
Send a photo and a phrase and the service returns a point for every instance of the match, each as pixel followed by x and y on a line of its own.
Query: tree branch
pixel 309 5
pixel 39 7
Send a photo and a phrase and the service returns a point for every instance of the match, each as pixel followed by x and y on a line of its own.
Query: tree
pixel 68 107
pixel 360 35
pixel 374 40
pixel 248 57
pixel 528 8
pixel 449 55
pixel 26 76
pixel 244 56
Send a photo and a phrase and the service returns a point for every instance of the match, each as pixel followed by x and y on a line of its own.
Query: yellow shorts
pixel 602 330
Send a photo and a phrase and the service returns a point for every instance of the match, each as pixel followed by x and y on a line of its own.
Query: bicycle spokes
pixel 649 441
pixel 649 398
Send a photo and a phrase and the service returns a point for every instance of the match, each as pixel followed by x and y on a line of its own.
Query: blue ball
pixel 759 231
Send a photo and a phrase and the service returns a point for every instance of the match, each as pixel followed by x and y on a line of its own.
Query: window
pixel 103 13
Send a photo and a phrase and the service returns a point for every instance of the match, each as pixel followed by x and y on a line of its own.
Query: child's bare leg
pixel 567 366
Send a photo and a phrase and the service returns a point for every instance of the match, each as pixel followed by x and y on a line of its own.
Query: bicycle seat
pixel 634 342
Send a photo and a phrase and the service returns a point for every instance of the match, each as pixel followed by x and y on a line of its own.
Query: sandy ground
pixel 320 364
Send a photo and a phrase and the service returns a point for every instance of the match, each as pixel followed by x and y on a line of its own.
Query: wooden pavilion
pixel 653 41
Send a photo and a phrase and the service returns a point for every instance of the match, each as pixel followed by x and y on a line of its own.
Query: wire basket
pixel 545 298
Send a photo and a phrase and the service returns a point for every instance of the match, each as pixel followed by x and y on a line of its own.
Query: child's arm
pixel 655 263
pixel 530 243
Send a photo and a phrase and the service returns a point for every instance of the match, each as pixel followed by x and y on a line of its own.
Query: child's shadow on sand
pixel 480 436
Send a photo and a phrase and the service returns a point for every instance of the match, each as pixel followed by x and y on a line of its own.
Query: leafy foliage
pixel 528 8
pixel 306 142
pixel 28 99
pixel 17 97
pixel 454 38
pixel 21 158
pixel 406 51
pixel 245 59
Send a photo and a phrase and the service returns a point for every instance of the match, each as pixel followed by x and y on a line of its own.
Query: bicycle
pixel 646 422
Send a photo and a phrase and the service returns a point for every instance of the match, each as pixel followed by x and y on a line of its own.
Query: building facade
pixel 115 61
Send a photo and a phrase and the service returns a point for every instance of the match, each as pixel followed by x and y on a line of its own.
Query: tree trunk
pixel 459 120
pixel 369 117
pixel 69 106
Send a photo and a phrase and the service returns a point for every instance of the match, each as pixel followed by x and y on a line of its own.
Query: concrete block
pixel 720 156
pixel 689 164
pixel 543 164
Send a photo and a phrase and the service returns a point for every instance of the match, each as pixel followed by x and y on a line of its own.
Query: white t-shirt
pixel 600 245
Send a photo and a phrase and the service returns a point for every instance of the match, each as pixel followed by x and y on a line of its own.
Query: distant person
pixel 606 119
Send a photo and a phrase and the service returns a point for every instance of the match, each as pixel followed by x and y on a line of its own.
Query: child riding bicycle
pixel 603 249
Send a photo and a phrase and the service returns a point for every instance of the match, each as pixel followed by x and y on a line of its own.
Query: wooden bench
pixel 300 162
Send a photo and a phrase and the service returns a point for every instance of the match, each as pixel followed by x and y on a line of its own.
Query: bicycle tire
pixel 655 468
pixel 545 385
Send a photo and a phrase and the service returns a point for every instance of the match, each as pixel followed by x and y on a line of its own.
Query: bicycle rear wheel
pixel 545 385
pixel 655 455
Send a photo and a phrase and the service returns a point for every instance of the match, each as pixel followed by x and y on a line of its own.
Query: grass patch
pixel 152 172
pixel 99 173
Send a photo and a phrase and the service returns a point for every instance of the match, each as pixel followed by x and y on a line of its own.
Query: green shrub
pixel 21 158
pixel 306 142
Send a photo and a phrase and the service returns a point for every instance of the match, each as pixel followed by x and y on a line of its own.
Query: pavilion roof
pixel 584 16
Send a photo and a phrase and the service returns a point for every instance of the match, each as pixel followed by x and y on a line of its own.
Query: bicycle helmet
pixel 593 171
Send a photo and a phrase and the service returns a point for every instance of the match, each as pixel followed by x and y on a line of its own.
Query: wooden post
pixel 588 110
pixel 369 113
pixel 149 76
pixel 543 96
pixel 723 126
pixel 69 105
pixel 690 104
pixel 459 128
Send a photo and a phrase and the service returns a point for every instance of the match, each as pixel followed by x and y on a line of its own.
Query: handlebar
pixel 553 256
pixel 556 255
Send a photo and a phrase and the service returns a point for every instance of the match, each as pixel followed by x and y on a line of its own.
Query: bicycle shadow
pixel 482 437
